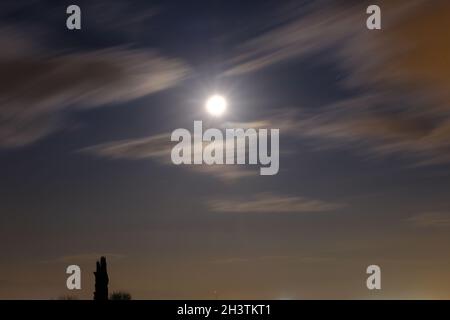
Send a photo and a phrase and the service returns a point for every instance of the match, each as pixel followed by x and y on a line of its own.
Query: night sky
pixel 85 170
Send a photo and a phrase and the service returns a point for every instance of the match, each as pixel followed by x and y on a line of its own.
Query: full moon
pixel 216 105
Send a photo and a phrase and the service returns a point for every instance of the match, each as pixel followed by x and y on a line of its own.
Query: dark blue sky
pixel 364 153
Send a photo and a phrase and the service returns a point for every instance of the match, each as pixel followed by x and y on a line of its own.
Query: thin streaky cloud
pixel 158 148
pixel 39 87
pixel 403 105
pixel 431 219
pixel 272 258
pixel 84 257
pixel 271 203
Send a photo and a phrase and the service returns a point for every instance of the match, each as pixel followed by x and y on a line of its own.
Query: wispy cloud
pixel 158 147
pixel 271 258
pixel 402 74
pixel 37 85
pixel 84 257
pixel 357 123
pixel 431 219
pixel 298 32
pixel 292 39
pixel 271 203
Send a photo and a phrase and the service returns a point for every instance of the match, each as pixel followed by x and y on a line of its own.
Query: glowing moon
pixel 216 105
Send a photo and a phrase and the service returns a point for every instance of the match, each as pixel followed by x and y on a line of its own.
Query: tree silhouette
pixel 101 280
